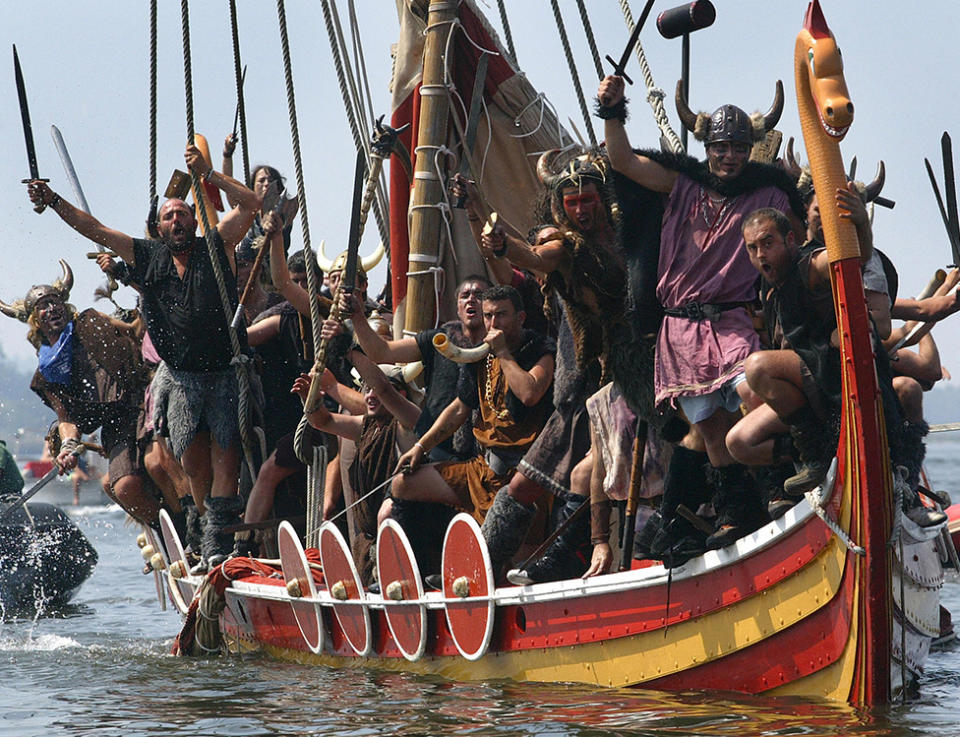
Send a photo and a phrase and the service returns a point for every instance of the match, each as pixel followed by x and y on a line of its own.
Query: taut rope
pixel 352 105
pixel 504 21
pixel 591 41
pixel 153 99
pixel 239 360
pixel 588 124
pixel 238 74
pixel 655 95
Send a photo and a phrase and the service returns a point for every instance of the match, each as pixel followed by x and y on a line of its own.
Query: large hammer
pixel 682 21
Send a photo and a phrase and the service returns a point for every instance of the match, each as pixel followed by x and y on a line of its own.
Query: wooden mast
pixel 425 217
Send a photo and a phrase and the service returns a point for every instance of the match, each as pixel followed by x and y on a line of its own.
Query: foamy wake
pixel 39 644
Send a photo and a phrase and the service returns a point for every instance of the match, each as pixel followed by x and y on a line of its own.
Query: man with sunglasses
pixel 705 283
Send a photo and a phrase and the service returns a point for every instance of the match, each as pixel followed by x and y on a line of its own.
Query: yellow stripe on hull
pixel 635 659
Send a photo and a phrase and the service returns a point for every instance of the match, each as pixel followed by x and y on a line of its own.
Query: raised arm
pixel 229 146
pixel 374 345
pixel 346 426
pixel 279 273
pixel 235 223
pixel 86 225
pixel 527 386
pixel 640 169
pixel 398 405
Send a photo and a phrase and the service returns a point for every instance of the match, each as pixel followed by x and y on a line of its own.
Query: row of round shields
pixel 467 589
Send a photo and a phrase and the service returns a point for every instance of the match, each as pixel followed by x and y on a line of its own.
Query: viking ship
pixel 838 599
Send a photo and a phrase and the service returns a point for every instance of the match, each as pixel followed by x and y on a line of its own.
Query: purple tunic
pixel 703 259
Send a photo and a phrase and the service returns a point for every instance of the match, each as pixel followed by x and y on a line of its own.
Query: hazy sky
pixel 86 68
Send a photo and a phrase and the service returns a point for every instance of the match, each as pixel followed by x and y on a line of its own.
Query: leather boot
pixel 737 501
pixel 816 447
pixel 245 544
pixel 685 483
pixel 216 544
pixel 568 556
pixel 770 479
pixel 504 529
pixel 193 527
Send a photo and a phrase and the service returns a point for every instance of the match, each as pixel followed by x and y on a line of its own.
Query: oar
pixel 47 478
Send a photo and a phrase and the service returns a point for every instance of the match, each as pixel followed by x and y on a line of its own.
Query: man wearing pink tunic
pixel 702 261
pixel 705 282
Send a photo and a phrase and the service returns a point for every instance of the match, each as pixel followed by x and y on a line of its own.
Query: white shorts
pixel 699 408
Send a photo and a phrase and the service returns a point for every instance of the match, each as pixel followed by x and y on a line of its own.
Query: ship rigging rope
pixel 238 75
pixel 153 99
pixel 591 41
pixel 352 105
pixel 239 360
pixel 655 95
pixel 312 287
pixel 365 117
pixel 505 22
pixel 573 72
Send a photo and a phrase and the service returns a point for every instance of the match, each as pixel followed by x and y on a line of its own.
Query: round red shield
pixel 468 579
pixel 181 590
pixel 295 567
pixel 400 582
pixel 344 581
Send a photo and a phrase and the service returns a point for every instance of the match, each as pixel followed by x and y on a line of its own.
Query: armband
pixel 611 112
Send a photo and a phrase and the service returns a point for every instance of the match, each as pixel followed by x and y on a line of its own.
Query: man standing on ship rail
pixel 705 283
pixel 195 387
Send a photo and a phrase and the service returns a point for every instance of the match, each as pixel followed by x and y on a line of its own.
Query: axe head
pixel 179 185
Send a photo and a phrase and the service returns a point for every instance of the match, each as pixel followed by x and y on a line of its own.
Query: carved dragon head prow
pixel 825 74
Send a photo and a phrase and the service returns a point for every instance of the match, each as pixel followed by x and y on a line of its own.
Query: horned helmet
pixel 868 191
pixel 579 170
pixel 366 263
pixel 728 122
pixel 587 168
pixel 21 309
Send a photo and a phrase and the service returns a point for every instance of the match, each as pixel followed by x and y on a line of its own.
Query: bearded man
pixel 91 375
pixel 705 283
pixel 579 255
pixel 195 388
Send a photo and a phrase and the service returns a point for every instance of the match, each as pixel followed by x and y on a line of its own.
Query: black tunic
pixel 185 316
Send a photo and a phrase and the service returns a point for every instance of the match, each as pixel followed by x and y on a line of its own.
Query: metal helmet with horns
pixel 367 263
pixel 728 122
pixel 21 309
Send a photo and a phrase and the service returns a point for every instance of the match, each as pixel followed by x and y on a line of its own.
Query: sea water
pixel 102 667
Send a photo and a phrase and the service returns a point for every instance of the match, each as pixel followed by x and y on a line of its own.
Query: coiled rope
pixel 239 360
pixel 573 72
pixel 238 75
pixel 655 95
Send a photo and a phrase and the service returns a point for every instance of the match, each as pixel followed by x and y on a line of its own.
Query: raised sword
pixel 74 180
pixel 27 128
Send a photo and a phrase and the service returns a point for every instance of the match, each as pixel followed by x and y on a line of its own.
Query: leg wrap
pixel 504 529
